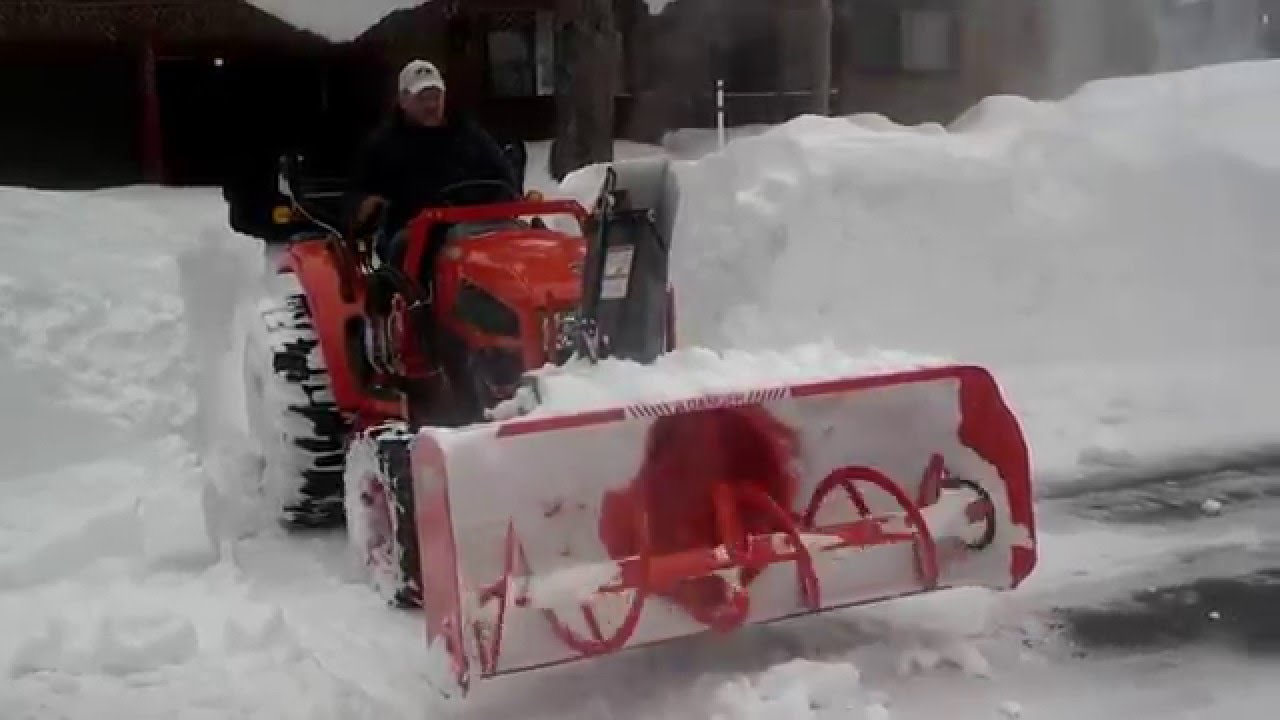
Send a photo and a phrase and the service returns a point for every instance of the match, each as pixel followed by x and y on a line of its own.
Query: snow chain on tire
pixel 300 428
pixel 380 512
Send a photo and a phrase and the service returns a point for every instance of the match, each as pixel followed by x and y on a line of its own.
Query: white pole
pixel 720 112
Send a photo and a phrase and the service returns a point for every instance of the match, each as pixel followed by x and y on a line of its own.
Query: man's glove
pixel 368 217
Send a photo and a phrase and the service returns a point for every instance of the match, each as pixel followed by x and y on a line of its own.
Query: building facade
pixel 119 91
pixel 913 60
pixel 103 92
pixel 107 92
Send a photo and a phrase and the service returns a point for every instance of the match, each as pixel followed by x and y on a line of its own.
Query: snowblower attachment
pixel 554 538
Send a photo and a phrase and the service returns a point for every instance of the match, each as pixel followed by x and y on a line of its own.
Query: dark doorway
pixel 195 108
pixel 71 117
pixel 223 109
pixel 318 106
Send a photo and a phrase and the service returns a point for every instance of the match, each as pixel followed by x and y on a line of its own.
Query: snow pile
pixel 1030 233
pixel 693 372
pixel 119 595
pixel 92 329
pixel 694 143
pixel 116 645
pixel 800 690
pixel 141 504
pixel 538 168
pixel 97 383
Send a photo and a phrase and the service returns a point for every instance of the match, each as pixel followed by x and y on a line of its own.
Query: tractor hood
pixel 522 266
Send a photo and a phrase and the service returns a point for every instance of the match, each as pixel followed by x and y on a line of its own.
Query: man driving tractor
pixel 420 151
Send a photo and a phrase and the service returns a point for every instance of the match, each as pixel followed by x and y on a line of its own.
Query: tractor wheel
pixel 293 418
pixel 379 506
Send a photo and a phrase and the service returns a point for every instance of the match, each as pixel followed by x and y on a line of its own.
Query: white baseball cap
pixel 418 75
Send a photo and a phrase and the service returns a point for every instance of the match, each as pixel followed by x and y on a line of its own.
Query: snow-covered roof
pixel 338 20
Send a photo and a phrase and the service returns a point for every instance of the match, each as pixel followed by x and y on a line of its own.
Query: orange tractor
pixel 558 535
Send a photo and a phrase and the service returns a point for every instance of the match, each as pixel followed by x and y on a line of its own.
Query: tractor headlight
pixel 561 335
pixel 485 312
pixel 282 215
pixel 566 329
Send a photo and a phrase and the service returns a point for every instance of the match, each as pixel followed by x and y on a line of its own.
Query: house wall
pixel 124 21
pixel 77 82
pixel 1208 31
pixel 1006 48
pixel 1091 39
pixel 56 129
pixel 1270 10
pixel 276 84
pixel 988 47
pixel 961 51
pixel 236 86
pixel 673 72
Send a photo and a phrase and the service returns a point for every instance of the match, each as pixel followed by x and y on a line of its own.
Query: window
pixel 521 54
pixel 874 37
pixel 511 63
pixel 882 36
pixel 544 52
pixel 926 40
pixel 747 58
pixel 1190 21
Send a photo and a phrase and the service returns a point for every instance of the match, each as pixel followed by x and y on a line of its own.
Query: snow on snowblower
pixel 555 536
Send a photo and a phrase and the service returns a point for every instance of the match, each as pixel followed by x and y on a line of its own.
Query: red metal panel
pixel 333 304
pixel 441 601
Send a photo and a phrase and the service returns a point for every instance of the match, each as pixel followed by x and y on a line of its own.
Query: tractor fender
pixel 336 307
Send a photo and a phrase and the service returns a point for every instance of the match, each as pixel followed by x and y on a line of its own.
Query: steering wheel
pixel 484 191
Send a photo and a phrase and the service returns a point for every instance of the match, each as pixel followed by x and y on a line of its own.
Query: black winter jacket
pixel 409 165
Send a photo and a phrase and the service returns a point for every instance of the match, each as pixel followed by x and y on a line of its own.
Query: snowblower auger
pixel 554 538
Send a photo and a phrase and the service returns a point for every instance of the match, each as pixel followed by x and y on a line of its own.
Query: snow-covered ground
pixel 1112 258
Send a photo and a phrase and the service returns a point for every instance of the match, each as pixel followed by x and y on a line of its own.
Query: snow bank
pixel 691 372
pixel 802 690
pixel 586 182
pixel 96 378
pixel 122 593
pixel 1133 221
pixel 94 330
